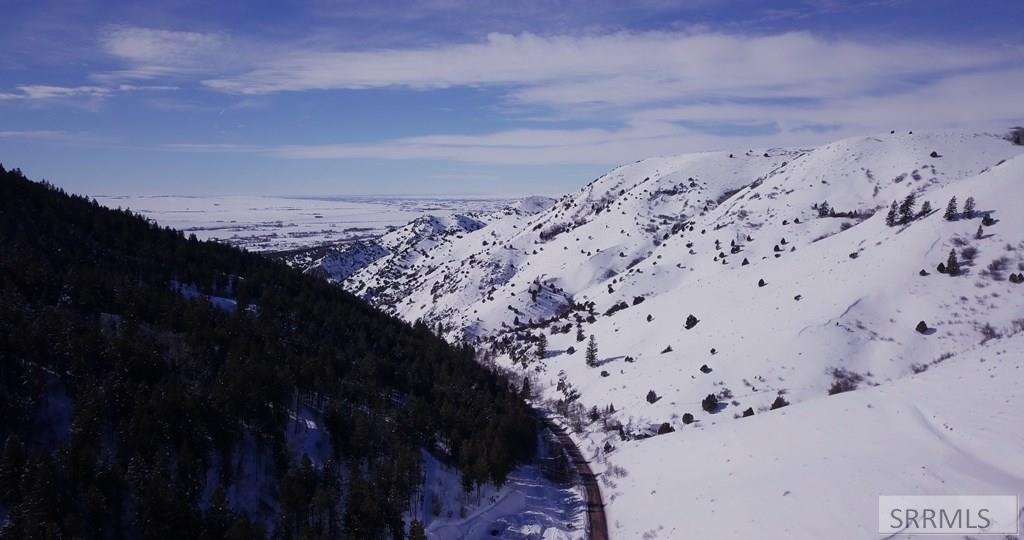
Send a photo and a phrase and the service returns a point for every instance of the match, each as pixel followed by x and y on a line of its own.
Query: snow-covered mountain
pixel 396 257
pixel 724 285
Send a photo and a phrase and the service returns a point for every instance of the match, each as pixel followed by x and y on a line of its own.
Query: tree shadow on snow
pixel 603 361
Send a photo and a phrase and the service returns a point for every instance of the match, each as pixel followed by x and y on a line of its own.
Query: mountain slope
pixel 759 477
pixel 789 301
pixel 166 387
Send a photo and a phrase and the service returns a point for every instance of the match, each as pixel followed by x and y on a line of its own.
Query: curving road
pixel 597 523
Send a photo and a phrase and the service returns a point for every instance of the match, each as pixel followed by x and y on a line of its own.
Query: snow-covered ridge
pixel 387 265
pixel 790 300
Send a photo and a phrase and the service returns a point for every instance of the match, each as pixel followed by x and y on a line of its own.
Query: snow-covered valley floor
pixel 265 223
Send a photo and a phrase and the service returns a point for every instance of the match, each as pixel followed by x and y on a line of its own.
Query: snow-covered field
pixel 262 223
pixel 789 305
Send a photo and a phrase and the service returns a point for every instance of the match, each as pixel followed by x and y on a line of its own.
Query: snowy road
pixel 597 524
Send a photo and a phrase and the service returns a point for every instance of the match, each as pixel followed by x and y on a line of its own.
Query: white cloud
pixel 217 147
pixel 54 135
pixel 984 102
pixel 153 53
pixel 42 91
pixel 975 100
pixel 958 101
pixel 619 69
pixel 610 69
pixel 49 92
pixel 33 134
pixel 656 86
pixel 520 147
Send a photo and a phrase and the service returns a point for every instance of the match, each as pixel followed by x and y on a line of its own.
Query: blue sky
pixel 333 97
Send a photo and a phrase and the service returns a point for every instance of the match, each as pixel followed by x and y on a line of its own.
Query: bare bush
pixel 845 381
pixel 988 333
pixel 996 268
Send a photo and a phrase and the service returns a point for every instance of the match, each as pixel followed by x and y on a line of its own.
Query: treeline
pixel 164 388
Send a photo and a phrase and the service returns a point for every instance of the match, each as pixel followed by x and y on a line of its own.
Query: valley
pixel 491 270
pixel 747 307
pixel 757 283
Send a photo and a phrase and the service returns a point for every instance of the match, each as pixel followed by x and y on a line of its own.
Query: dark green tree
pixel 12 464
pixel 951 211
pixel 114 310
pixel 526 391
pixel 417 531
pixel 591 354
pixel 907 208
pixel 969 208
pixel 891 216
pixel 952 264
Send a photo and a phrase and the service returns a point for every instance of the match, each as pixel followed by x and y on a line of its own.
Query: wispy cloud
pixel 54 135
pixel 624 68
pixel 618 69
pixel 34 134
pixel 984 100
pixel 152 53
pixel 669 92
pixel 50 92
pixel 662 92
pixel 218 147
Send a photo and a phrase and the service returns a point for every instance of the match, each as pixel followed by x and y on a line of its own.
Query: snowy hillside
pixel 390 266
pixel 815 469
pixel 720 285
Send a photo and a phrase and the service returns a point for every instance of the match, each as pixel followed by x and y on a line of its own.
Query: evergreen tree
pixel 950 214
pixel 580 336
pixel 926 208
pixel 218 517
pixel 890 218
pixel 243 529
pixel 193 383
pixel 591 355
pixel 542 346
pixel 824 210
pixel 417 531
pixel 980 233
pixel 38 506
pixel 12 463
pixel 952 264
pixel 969 208
pixel 907 208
